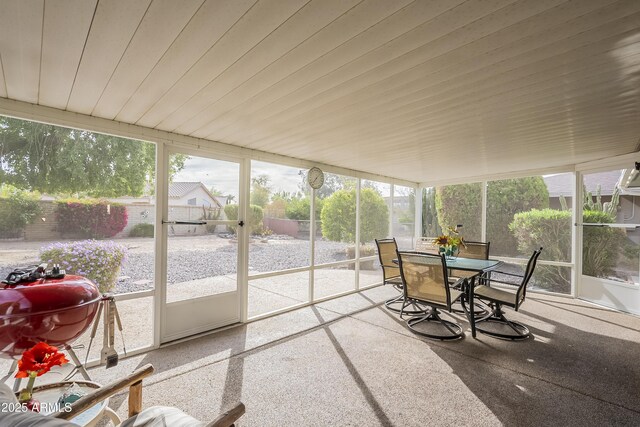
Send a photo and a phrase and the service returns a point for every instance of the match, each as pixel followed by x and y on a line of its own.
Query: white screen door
pixel 201 226
pixel 611 239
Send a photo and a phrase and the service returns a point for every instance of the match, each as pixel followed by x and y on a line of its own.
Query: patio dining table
pixel 478 266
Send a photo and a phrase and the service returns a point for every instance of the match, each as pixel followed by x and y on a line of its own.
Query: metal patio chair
pixel 496 298
pixel 387 252
pixel 426 282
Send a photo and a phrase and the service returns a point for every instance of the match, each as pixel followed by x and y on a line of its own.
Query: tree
pixel 339 216
pixel 430 226
pixel 56 160
pixel 506 198
pixel 260 191
pixel 461 204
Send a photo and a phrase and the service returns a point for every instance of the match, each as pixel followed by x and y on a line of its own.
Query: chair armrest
pixel 460 281
pixel 485 280
pixel 505 273
pixel 228 418
pixel 85 402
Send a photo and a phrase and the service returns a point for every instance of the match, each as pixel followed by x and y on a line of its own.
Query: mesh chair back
pixel 531 266
pixel 387 252
pixel 425 277
pixel 475 250
pixel 426 245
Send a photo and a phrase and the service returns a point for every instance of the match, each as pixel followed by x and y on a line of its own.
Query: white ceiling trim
pixel 54 116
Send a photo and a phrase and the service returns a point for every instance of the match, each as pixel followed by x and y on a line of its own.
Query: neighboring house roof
pixel 561 184
pixel 181 189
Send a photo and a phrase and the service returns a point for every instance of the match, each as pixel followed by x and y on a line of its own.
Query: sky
pixel 225 176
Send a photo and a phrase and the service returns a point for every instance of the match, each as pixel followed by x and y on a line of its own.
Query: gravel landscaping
pixel 197 257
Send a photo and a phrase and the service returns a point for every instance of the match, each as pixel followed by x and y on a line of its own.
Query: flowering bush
pixel 91 218
pixel 97 261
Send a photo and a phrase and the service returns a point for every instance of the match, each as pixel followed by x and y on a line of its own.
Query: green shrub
pixel 339 216
pixel 601 245
pixel 99 261
pixel 461 204
pixel 254 222
pixel 142 230
pixel 17 209
pixel 300 209
pixel 505 198
pixel 550 229
pixel 92 218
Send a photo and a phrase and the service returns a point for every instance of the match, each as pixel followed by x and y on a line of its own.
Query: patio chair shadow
pixel 588 380
pixel 581 380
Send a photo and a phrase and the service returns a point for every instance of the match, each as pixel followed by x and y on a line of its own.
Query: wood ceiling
pixel 417 90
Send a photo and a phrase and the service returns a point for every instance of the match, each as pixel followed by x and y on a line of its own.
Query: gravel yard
pixel 190 257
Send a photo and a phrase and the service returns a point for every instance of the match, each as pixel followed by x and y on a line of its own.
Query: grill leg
pixel 79 366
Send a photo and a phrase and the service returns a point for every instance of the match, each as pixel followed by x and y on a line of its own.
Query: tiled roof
pixel 179 189
pixel 560 185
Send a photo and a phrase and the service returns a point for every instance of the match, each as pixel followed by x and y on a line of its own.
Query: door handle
pixel 185 222
pixel 241 223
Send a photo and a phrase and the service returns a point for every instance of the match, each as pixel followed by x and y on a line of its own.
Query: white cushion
pixel 161 416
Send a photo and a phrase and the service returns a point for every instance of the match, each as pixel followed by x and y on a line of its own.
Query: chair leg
pixel 398 305
pixel 520 332
pixel 455 330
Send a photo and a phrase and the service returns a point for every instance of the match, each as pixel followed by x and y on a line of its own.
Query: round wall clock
pixel 315 177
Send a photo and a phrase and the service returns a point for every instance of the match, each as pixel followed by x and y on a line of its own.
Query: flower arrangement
pixel 99 261
pixel 36 361
pixel 449 244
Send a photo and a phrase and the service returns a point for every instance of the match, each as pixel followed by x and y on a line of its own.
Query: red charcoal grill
pixel 56 311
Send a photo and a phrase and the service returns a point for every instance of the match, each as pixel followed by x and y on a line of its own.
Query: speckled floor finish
pixel 350 362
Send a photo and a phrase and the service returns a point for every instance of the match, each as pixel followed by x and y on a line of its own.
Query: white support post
pixel 357 248
pixel 418 212
pixel 160 267
pixel 312 241
pixel 483 221
pixel 243 239
pixel 391 215
pixel 576 235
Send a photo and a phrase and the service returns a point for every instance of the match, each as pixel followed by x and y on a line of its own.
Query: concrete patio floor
pixel 349 361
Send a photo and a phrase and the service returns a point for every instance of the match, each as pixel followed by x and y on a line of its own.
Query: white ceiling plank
pixel 64 34
pixel 113 26
pixel 211 22
pixel 469 62
pixel 316 94
pixel 316 21
pixel 21 46
pixel 400 34
pixel 262 19
pixel 350 25
pixel 433 126
pixel 411 108
pixel 471 19
pixel 160 26
pixel 469 70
